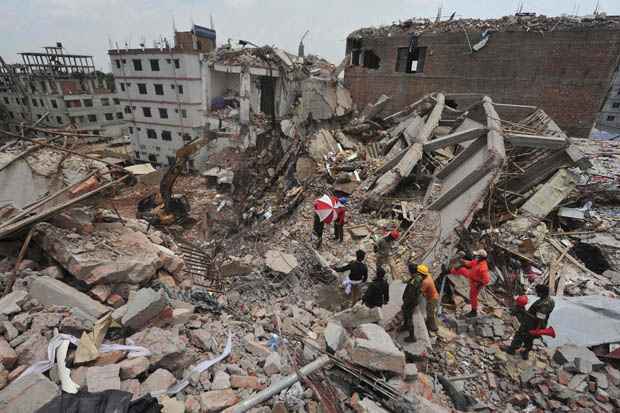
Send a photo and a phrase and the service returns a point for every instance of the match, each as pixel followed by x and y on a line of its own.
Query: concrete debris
pixel 103 378
pixel 335 335
pixel 143 306
pixel 358 315
pixel 158 381
pixel 10 303
pixel 377 351
pixel 280 262
pixel 28 394
pixel 49 291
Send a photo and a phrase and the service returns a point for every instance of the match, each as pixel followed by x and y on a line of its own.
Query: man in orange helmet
pixel 477 271
pixel 383 249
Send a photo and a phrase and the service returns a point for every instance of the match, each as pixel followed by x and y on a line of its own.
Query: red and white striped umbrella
pixel 325 207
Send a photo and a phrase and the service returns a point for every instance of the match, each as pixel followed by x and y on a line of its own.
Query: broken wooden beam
pixel 454 138
pixel 536 141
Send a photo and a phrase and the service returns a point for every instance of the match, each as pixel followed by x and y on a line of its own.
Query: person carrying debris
pixel 383 249
pixel 532 321
pixel 339 221
pixel 411 298
pixel 358 274
pixel 477 271
pixel 378 292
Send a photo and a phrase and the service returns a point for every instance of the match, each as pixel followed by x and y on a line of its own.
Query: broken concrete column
pixel 100 378
pixel 27 394
pixel 245 92
pixel 49 291
pixel 143 307
pixel 377 351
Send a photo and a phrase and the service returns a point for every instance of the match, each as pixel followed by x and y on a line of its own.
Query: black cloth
pixel 359 271
pixel 377 294
pixel 317 228
pixel 109 401
pixel 338 231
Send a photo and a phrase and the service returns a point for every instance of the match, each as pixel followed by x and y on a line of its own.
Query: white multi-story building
pixel 160 91
pixel 65 87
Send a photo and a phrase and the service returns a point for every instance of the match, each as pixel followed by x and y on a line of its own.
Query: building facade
pixel 562 65
pixel 66 87
pixel 161 94
pixel 610 114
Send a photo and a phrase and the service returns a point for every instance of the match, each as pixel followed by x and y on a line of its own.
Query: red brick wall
pixel 566 73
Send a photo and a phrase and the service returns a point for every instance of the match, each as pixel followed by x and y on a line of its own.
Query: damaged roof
pixel 527 23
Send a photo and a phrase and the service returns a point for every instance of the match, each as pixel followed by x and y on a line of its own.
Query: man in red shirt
pixel 477 271
pixel 339 221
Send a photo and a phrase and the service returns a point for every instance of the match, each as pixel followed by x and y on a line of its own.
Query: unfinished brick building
pixel 563 65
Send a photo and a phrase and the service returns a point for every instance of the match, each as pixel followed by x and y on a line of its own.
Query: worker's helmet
pixel 480 253
pixel 521 301
pixel 423 269
pixel 395 234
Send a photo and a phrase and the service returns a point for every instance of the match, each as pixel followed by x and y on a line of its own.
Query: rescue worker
pixel 429 291
pixel 358 274
pixel 383 249
pixel 339 221
pixel 317 230
pixel 411 298
pixel 534 318
pixel 378 292
pixel 477 271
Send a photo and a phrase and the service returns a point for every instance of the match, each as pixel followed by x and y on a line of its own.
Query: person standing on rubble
pixel 340 218
pixel 317 230
pixel 358 274
pixel 531 321
pixel 378 292
pixel 411 298
pixel 477 272
pixel 429 291
pixel 383 249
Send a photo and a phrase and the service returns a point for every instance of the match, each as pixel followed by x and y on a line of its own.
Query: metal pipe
pixel 276 388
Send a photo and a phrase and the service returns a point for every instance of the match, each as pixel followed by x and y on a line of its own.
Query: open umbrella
pixel 325 207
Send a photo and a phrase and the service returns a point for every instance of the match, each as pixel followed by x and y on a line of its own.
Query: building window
pixel 410 62
pixel 137 65
pixel 42 103
pixel 146 112
pixel 183 113
pixel 88 103
pixel 611 118
pixel 92 118
pixel 177 64
pixel 122 86
pixel 76 103
pixel 137 154
pixel 109 116
pixel 116 101
pixel 171 160
pixel 163 113
pixel 117 63
pixel 153 158
pixel 159 89
pixel 166 135
pixel 59 120
pixel 142 88
pixel 127 109
pixel 95 132
pixel 6 100
pixel 11 115
pixel 105 101
pixel 180 89
pixel 615 105
pixel 186 137
pixel 131 130
pixel 54 104
pixel 155 65
pixel 151 134
pixel 34 102
pixel 119 115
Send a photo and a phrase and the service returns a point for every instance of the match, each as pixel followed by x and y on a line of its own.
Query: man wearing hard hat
pixel 419 283
pixel 477 271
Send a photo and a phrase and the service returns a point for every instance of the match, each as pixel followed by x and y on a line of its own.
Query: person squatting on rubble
pixel 340 218
pixel 530 320
pixel 317 230
pixel 358 274
pixel 419 283
pixel 477 272
pixel 378 292
pixel 383 249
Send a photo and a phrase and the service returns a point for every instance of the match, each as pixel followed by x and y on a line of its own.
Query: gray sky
pixel 84 26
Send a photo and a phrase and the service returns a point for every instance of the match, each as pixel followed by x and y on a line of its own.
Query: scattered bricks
pixel 527 375
pixel 115 300
pixel 78 375
pixel 563 393
pixel 49 291
pixel 217 400
pixel 576 381
pixel 613 374
pixel 601 380
pixel 170 405
pixel 358 315
pixel 28 394
pixel 8 356
pixel 132 368
pixel 568 353
pixel 221 381
pixel 246 382
pixel 4 377
pixel 280 407
pixel 411 371
pixel 491 380
pixel 103 378
pixel 583 366
pixel 192 404
pixel 10 332
pixel 256 348
pixel 17 371
pixel 335 335
pixel 160 380
pixel 521 400
pixel 143 307
pixel 33 349
pixel 131 386
pixel 602 396
pixel 22 322
pixel 377 351
pixel 11 303
pixel 101 292
pixel 273 364
pixel 112 357
pixel 539 399
pixel 564 377
pixel 202 339
pixel 165 345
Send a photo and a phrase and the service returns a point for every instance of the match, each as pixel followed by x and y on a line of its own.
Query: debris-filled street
pixel 455 254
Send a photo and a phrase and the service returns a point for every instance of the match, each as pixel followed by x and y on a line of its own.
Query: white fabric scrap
pixel 347 284
pixel 67 385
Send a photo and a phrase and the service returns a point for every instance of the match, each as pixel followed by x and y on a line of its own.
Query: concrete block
pixel 11 303
pixel 568 353
pixel 159 380
pixel 102 378
pixel 335 335
pixel 218 400
pixel 49 291
pixel 143 307
pixel 357 315
pixel 28 394
pixel 377 351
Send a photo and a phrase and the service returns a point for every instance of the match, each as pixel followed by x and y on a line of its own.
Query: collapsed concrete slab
pixel 280 262
pixel 27 394
pixel 377 351
pixel 49 291
pixel 143 307
pixel 357 315
pixel 335 335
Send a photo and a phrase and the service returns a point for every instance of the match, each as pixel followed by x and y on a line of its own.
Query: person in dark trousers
pixel 339 221
pixel 358 274
pixel 378 292
pixel 317 229
pixel 534 318
pixel 411 298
